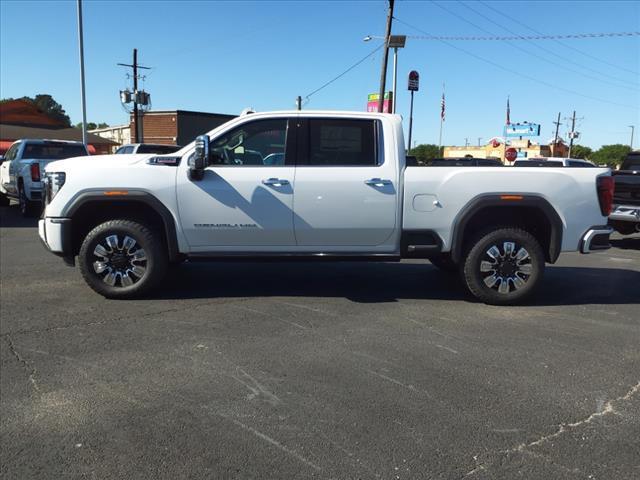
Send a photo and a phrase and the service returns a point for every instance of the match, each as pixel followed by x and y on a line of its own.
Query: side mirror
pixel 199 159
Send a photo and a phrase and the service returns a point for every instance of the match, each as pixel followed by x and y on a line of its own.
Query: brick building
pixel 176 127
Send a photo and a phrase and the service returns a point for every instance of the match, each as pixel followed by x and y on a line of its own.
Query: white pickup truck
pixel 22 170
pixel 330 185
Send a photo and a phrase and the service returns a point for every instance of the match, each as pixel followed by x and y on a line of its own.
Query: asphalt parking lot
pixel 297 370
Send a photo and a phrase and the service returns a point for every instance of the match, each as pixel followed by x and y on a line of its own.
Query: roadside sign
pixel 414 81
pixel 510 154
pixel 522 130
pixel 372 102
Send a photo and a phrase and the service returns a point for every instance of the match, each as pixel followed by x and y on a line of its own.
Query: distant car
pixel 22 170
pixel 554 162
pixel 465 162
pixel 147 148
pixel 625 217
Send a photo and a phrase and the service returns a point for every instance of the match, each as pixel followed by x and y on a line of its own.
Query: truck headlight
pixel 53 183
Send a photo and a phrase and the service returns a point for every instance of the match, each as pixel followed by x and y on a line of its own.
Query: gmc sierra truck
pixel 22 170
pixel 330 185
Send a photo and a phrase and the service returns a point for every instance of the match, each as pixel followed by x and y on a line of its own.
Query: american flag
pixel 442 108
pixel 508 112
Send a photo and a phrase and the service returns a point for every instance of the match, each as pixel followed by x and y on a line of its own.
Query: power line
pixel 343 73
pixel 540 57
pixel 551 52
pixel 556 38
pixel 514 72
pixel 525 37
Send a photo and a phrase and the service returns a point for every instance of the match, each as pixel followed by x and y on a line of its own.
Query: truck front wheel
pixel 503 266
pixel 122 259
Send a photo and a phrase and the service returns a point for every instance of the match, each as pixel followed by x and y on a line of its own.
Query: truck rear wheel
pixel 503 266
pixel 122 259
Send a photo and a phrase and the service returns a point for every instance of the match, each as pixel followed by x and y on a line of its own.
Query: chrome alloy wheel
pixel 506 269
pixel 120 264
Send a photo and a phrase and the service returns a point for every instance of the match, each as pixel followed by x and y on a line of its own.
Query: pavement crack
pixel 607 409
pixel 25 363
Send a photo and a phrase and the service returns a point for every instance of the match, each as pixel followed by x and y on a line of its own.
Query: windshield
pixel 53 151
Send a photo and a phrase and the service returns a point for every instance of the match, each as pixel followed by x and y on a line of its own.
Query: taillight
pixel 606 187
pixel 35 172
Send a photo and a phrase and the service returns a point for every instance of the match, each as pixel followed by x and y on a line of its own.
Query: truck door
pixel 346 191
pixel 245 198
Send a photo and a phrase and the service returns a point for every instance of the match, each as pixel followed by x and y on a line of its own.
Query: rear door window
pixel 341 142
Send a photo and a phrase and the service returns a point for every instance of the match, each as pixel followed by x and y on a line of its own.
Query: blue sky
pixel 225 56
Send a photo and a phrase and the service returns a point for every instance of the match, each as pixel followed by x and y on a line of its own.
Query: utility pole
pixel 82 92
pixel 135 66
pixel 632 127
pixel 385 58
pixel 299 103
pixel 479 140
pixel 555 138
pixel 572 132
pixel 466 141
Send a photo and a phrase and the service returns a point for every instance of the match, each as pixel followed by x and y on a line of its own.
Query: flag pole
pixel 441 121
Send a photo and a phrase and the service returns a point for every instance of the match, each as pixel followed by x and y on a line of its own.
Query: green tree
pixel 48 105
pixel 92 126
pixel 610 154
pixel 425 152
pixel 580 151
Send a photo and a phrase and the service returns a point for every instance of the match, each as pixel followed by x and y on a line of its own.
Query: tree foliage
pixel 580 151
pixel 425 152
pixel 92 125
pixel 610 154
pixel 48 105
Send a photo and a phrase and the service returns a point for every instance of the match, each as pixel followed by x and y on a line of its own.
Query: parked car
pixel 22 170
pixel 146 148
pixel 626 201
pixel 342 192
pixel 554 162
pixel 465 162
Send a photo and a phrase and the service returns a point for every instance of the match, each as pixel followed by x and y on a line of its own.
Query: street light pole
pixel 632 127
pixel 395 79
pixel 82 92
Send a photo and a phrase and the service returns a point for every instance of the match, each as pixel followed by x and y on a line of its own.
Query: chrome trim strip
pixel 585 246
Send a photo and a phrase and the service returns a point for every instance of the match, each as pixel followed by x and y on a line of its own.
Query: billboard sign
pixel 522 130
pixel 372 102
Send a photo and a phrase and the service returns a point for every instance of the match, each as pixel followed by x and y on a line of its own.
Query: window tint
pixel 336 142
pixel 53 151
pixel 573 163
pixel 158 149
pixel 259 143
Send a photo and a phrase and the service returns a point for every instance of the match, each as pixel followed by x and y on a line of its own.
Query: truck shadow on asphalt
pixel 384 283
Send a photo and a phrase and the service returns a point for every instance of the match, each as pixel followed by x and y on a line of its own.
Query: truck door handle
pixel 275 182
pixel 378 182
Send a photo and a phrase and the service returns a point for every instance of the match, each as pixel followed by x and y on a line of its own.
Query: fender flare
pixel 480 202
pixel 140 196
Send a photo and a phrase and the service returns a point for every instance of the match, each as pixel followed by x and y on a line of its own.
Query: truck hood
pixel 97 161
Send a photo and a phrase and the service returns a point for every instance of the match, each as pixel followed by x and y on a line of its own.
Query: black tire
pixel 132 276
pixel 4 200
pixel 444 263
pixel 521 276
pixel 27 207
